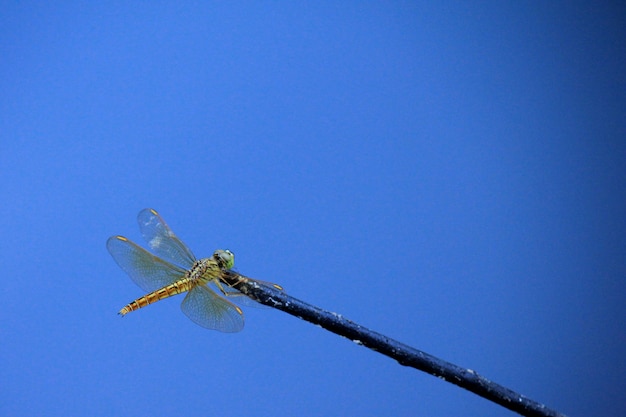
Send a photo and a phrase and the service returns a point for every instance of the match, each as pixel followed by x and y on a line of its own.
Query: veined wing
pixel 207 309
pixel 149 272
pixel 162 240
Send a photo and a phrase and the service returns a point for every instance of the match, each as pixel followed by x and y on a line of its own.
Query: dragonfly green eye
pixel 226 257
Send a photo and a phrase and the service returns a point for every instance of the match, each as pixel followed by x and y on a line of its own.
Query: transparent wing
pixel 146 270
pixel 162 240
pixel 207 309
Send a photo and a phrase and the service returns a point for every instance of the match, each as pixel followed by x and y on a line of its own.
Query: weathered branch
pixel 405 355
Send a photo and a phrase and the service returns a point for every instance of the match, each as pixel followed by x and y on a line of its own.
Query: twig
pixel 405 355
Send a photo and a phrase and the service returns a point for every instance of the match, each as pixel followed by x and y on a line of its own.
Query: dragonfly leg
pixel 218 284
pixel 232 293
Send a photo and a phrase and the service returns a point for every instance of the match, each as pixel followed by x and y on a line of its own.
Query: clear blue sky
pixel 450 174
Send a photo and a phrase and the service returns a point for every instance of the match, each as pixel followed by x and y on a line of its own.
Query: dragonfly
pixel 173 269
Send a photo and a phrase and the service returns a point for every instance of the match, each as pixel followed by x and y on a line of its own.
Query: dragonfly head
pixel 225 258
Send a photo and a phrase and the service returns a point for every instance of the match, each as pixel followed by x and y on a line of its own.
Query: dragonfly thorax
pixel 204 270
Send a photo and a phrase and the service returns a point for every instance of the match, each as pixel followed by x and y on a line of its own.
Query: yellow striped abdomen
pixel 183 285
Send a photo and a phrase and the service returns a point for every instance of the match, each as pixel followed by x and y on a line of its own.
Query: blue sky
pixel 449 174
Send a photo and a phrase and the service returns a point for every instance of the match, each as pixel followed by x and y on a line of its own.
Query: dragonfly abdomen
pixel 177 287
